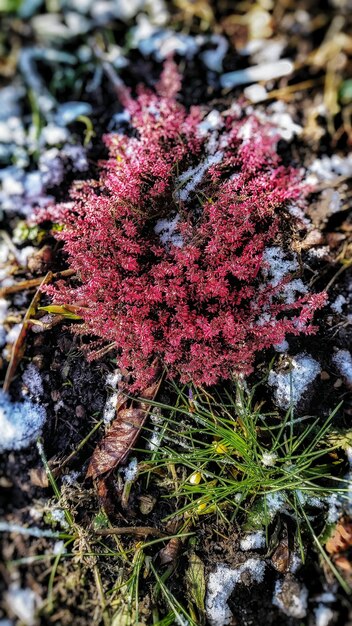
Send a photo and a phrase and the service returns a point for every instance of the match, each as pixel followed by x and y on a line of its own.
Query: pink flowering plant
pixel 174 245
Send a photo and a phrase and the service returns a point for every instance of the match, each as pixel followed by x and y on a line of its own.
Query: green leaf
pixel 56 309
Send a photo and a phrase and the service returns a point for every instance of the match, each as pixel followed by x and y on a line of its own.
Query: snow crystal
pixel 33 381
pixel 291 598
pixel 338 304
pixel 343 361
pixel 323 615
pixel 20 423
pixel 290 386
pixel 221 584
pixel 253 541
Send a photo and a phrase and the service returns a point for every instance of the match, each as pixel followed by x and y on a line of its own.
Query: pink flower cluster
pixel 169 244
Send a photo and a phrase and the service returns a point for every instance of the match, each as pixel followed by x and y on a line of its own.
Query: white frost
pixel 221 584
pixel 20 423
pixel 290 386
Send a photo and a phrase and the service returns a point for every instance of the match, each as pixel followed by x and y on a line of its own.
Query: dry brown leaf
pixel 20 343
pixel 122 435
pixel 341 538
pixel 171 551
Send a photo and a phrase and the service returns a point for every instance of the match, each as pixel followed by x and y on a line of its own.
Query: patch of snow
pixel 278 265
pixel 167 231
pixel 213 59
pixel 71 478
pixel 161 42
pixel 343 361
pixel 194 175
pixel 319 253
pixel 275 502
pixel 256 73
pixel 20 423
pixel 334 508
pixel 112 381
pixel 131 470
pixel 221 584
pixel 269 51
pixel 33 381
pixel 13 334
pixel 329 168
pixel 31 531
pixel 59 547
pixel 212 121
pixel 283 122
pixel 291 598
pixel 53 135
pixel 77 155
pixel 68 112
pixel 323 615
pixel 282 347
pixel 338 304
pixel 290 386
pixel 269 459
pixel 253 541
pixel 23 602
pixel 58 515
pixel 255 93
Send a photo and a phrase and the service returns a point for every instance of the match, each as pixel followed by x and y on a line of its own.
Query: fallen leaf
pixel 122 435
pixel 341 538
pixel 171 551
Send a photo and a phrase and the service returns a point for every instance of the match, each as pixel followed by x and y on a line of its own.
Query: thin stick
pixel 34 282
